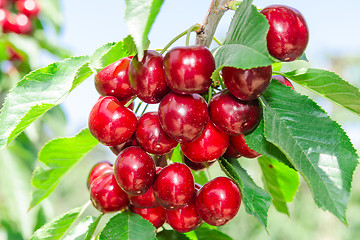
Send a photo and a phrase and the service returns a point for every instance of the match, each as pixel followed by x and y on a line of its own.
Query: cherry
pixel 283 80
pixel 174 186
pixel 231 152
pixel 183 117
pixel 184 219
pixel 28 7
pixel 211 145
pixel 156 215
pixel 288 35
pixel 134 171
pixel 19 24
pixel 239 144
pixel 147 200
pixel 197 166
pixel 151 137
pixel 113 80
pixel 3 3
pixel 128 143
pixel 232 115
pixel 110 122
pixel 247 84
pixel 147 78
pixel 99 169
pixel 188 69
pixel 218 201
pixel 106 195
pixel 4 16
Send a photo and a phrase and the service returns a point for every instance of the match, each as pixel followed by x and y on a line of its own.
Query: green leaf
pixel 171 235
pixel 257 201
pixel 176 155
pixel 81 230
pixel 280 181
pixel 200 177
pixel 317 146
pixel 139 17
pixel 37 92
pixel 50 10
pixel 128 226
pixel 92 227
pixel 213 234
pixel 328 85
pixel 59 156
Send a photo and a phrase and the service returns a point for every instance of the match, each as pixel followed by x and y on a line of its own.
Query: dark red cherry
pixel 113 80
pixel 288 35
pixel 188 69
pixel 147 78
pixel 130 142
pixel 106 195
pixel 183 117
pixel 156 215
pixel 28 7
pixel 151 137
pixel 211 145
pixel 134 171
pixel 174 186
pixel 110 122
pixel 283 80
pixel 99 169
pixel 232 115
pixel 147 200
pixel 239 144
pixel 218 201
pixel 197 166
pixel 247 84
pixel 231 152
pixel 184 219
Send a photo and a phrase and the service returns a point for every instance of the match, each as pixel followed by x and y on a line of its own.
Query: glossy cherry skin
pixel 174 186
pixel 197 166
pixel 156 216
pixel 147 200
pixel 134 171
pixel 106 195
pixel 19 24
pixel 234 116
pixel 231 152
pixel 99 169
pixel 183 117
pixel 128 143
pixel 184 219
pixel 151 137
pixel 147 78
pixel 188 69
pixel 28 7
pixel 288 35
pixel 218 201
pixel 247 84
pixel 283 80
pixel 110 122
pixel 211 145
pixel 239 144
pixel 113 80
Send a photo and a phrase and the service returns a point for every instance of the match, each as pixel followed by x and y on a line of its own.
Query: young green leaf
pixel 257 201
pixel 213 234
pixel 59 156
pixel 37 92
pixel 329 85
pixel 128 226
pixel 81 229
pixel 176 155
pixel 171 235
pixel 316 146
pixel 92 227
pixel 280 181
pixel 139 17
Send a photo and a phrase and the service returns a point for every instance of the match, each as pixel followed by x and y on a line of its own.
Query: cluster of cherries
pixel 16 15
pixel 180 82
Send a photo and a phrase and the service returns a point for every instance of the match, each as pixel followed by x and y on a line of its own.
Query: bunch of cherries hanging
pixel 206 127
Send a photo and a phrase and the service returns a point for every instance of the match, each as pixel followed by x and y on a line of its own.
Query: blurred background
pixel 68 27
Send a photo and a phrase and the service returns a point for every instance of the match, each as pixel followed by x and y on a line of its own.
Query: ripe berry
pixel 147 78
pixel 239 144
pixel 110 122
pixel 218 201
pixel 3 3
pixel 288 34
pixel 106 195
pixel 99 169
pixel 128 143
pixel 28 7
pixel 19 24
pixel 155 215
pixel 247 84
pixel 197 166
pixel 283 80
pixel 4 16
pixel 147 200
pixel 183 117
pixel 231 152
pixel 232 115
pixel 188 69
pixel 134 171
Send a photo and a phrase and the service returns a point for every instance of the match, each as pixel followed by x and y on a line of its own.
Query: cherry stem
pixel 217 40
pixel 193 28
pixel 129 102
pixel 210 93
pixel 138 107
pixel 145 109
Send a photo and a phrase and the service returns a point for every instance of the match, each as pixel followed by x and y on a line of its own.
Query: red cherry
pixel 184 219
pixel 197 166
pixel 4 16
pixel 128 143
pixel 147 200
pixel 239 144
pixel 106 195
pixel 3 3
pixel 247 84
pixel 288 35
pixel 232 115
pixel 174 186
pixel 110 122
pixel 189 69
pixel 283 80
pixel 99 169
pixel 211 145
pixel 183 117
pixel 28 7
pixel 134 171
pixel 147 78
pixel 218 201
pixel 19 24
pixel 156 215
pixel 231 152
